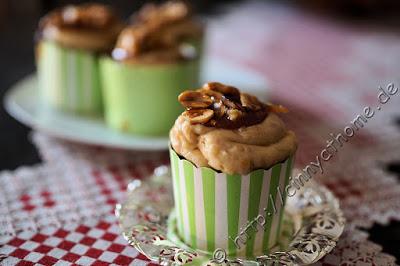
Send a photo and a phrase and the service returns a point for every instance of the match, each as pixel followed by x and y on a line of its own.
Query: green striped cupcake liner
pixel 241 214
pixel 69 79
pixel 140 98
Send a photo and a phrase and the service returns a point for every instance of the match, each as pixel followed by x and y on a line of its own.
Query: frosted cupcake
pixel 229 155
pixel 153 60
pixel 69 41
pixel 182 26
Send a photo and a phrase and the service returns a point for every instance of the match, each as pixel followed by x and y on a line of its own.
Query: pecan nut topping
pixel 220 109
pixel 277 108
pixel 167 29
pixel 88 26
pixel 198 116
pixel 249 101
pixel 168 12
pixel 215 96
pixel 194 99
pixel 89 15
pixel 222 88
pixel 223 106
pixel 234 114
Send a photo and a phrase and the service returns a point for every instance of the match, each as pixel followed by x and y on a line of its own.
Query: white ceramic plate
pixel 22 102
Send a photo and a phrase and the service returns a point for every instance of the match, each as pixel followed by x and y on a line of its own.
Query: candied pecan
pixel 174 11
pixel 164 13
pixel 277 108
pixel 98 15
pixel 234 114
pixel 131 40
pixel 219 109
pixel 89 15
pixel 251 102
pixel 194 99
pixel 198 116
pixel 215 95
pixel 212 122
pixel 222 88
pixel 167 26
pixel 231 104
pixel 71 14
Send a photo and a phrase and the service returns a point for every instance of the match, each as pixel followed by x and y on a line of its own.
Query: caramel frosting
pixel 93 27
pixel 230 131
pixel 159 33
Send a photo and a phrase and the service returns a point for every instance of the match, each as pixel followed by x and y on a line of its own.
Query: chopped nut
pixel 198 116
pixel 277 108
pixel 92 15
pixel 250 102
pixel 215 95
pixel 224 89
pixel 230 104
pixel 219 109
pixel 214 106
pixel 212 122
pixel 130 40
pixel 98 15
pixel 234 114
pixel 71 14
pixel 165 13
pixel 194 99
pixel 174 10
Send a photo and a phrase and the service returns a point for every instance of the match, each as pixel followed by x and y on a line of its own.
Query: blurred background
pixel 18 21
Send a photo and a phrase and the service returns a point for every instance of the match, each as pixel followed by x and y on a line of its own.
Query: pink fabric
pixel 326 72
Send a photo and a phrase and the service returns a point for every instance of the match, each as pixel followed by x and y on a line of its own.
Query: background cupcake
pixel 182 26
pixel 229 154
pixel 69 41
pixel 153 60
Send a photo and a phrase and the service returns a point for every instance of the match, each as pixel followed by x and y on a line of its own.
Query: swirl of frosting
pixel 93 27
pixel 159 33
pixel 258 144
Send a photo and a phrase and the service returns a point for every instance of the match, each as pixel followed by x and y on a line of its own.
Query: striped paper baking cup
pixel 140 98
pixel 241 214
pixel 69 78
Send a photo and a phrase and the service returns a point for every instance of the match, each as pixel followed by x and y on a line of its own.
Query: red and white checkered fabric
pixel 326 72
pixel 90 243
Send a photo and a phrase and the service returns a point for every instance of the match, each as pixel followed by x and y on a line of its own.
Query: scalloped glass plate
pixel 313 223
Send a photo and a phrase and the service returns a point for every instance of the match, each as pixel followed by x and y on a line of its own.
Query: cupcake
pixel 231 158
pixel 69 41
pixel 182 26
pixel 153 59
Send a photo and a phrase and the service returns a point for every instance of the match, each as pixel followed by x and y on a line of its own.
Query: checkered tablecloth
pixel 90 243
pixel 325 71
